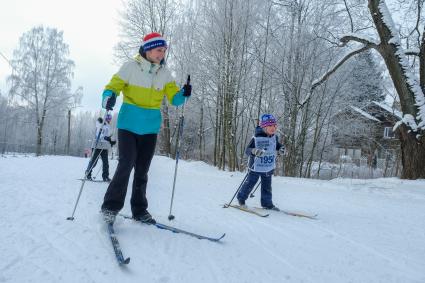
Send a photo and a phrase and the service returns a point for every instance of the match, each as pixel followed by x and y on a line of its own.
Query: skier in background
pixel 101 148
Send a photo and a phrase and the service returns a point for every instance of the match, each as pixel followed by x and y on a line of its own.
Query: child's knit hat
pixel 267 120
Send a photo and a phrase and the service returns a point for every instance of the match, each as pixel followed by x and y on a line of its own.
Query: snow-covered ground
pixel 367 230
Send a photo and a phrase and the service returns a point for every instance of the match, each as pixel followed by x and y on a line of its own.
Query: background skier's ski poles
pixel 179 137
pixel 89 167
pixel 98 170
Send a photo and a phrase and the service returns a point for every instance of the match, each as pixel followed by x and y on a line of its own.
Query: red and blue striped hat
pixel 153 40
pixel 267 120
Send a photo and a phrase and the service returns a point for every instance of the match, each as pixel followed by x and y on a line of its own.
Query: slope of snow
pixel 367 230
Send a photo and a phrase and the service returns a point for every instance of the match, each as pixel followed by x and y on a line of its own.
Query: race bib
pixel 267 162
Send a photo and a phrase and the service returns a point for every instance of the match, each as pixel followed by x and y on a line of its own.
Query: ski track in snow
pixel 367 230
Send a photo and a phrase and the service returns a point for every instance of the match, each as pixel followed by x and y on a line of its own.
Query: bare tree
pixel 73 103
pixel 43 72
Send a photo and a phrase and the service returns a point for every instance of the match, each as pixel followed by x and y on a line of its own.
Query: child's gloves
pixel 258 152
pixel 281 151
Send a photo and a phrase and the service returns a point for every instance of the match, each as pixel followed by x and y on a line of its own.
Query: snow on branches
pixel 411 80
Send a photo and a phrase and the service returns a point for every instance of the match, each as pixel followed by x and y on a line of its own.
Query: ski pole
pixel 240 186
pixel 252 194
pixel 88 167
pixel 178 142
pixel 237 191
pixel 97 173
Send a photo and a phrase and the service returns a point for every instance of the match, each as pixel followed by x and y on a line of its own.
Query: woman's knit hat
pixel 153 40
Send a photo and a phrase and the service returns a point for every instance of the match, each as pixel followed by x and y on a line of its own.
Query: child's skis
pixel 246 209
pixel 292 213
pixel 258 211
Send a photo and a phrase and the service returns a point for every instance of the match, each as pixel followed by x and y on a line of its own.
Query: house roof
pixel 365 114
pixel 389 109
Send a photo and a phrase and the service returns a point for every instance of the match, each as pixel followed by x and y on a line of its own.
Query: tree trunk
pixel 68 139
pixel 55 140
pixel 263 62
pixel 216 134
pixel 201 131
pixel 166 132
pixel 412 155
pixel 413 152
pixel 39 139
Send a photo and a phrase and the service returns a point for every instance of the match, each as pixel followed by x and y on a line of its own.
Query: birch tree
pixel 42 77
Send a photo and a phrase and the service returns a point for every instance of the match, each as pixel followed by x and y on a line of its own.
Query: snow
pixel 367 230
pixel 360 37
pixel 408 120
pixel 365 114
pixel 411 80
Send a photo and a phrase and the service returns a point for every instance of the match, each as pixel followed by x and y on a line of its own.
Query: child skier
pixel 262 152
pixel 144 81
pixel 103 131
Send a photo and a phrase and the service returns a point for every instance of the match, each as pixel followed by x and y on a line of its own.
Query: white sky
pixel 90 29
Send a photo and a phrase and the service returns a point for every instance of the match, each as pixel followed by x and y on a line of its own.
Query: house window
pixel 357 153
pixel 388 133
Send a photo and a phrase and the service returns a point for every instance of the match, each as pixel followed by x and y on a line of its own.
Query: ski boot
pixel 271 207
pixel 144 217
pixel 109 215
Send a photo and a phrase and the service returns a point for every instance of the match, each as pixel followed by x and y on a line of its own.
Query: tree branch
pixel 337 65
pixel 354 37
pixel 349 16
pixel 333 70
pixel 412 52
